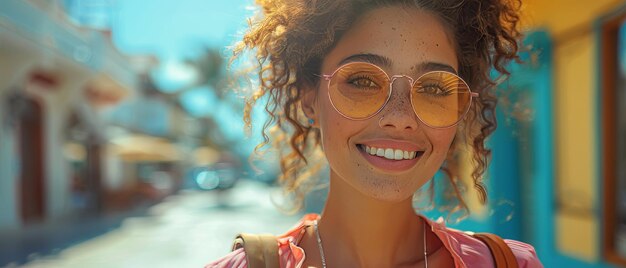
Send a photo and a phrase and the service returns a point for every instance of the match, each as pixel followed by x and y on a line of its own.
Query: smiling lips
pixel 387 156
pixel 392 154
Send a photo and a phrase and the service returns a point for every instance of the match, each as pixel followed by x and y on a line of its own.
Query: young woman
pixel 388 91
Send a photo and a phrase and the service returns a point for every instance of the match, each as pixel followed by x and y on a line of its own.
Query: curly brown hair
pixel 291 38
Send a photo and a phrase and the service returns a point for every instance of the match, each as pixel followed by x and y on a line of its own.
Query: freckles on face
pixel 432 40
pixel 407 39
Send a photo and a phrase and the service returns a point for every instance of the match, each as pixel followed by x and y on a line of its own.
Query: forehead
pixel 407 36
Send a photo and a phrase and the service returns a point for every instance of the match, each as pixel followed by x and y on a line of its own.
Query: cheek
pixel 333 126
pixel 441 140
pixel 336 130
pixel 330 125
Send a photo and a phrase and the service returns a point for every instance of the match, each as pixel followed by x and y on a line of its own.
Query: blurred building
pixel 559 153
pixel 61 153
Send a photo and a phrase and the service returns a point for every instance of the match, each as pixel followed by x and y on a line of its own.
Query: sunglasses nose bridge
pixel 393 80
pixel 410 79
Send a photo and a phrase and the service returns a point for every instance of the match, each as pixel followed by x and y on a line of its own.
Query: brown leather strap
pixel 502 254
pixel 261 250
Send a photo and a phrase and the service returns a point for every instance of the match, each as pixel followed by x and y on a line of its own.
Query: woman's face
pixel 400 40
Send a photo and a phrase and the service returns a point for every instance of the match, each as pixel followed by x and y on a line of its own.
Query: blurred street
pixel 122 142
pixel 189 229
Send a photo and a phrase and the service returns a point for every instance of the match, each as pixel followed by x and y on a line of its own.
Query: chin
pixel 387 190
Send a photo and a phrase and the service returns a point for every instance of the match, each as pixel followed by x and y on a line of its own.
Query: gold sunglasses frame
pixel 392 79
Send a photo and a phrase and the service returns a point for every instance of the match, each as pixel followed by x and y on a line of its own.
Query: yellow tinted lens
pixel 358 90
pixel 440 99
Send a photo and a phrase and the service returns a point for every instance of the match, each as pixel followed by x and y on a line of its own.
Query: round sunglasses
pixel 360 90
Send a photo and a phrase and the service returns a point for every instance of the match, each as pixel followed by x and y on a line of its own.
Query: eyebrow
pixel 386 62
pixel 379 60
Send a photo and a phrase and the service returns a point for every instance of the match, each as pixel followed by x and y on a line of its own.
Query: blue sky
pixel 177 28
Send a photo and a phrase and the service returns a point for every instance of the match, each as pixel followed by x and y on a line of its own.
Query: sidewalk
pixel 189 229
pixel 21 245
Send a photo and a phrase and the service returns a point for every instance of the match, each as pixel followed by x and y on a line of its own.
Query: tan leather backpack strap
pixel 261 250
pixel 270 250
pixel 502 254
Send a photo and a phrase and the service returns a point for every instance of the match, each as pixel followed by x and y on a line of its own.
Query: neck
pixel 358 229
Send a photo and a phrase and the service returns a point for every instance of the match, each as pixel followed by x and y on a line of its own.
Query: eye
pixel 363 82
pixel 436 90
pixel 438 87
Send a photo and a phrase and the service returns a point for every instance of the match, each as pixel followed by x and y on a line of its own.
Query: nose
pixel 398 113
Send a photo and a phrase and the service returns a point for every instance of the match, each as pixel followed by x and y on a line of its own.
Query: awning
pixel 144 148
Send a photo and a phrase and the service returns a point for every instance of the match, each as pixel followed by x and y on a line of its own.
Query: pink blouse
pixel 467 251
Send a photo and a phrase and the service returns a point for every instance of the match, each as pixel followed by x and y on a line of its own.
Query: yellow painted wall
pixel 561 16
pixel 575 65
pixel 574 73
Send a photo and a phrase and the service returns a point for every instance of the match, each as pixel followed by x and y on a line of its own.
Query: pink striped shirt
pixel 467 251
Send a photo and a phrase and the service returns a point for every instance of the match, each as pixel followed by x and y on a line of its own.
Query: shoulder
pixel 235 259
pixel 472 250
pixel 289 253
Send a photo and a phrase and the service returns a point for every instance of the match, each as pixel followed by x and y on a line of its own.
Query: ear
pixel 309 105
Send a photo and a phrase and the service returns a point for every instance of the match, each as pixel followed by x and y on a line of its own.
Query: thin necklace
pixel 319 244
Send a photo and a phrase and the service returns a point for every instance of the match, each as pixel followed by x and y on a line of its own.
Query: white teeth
pixel 389 153
pixel 398 155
